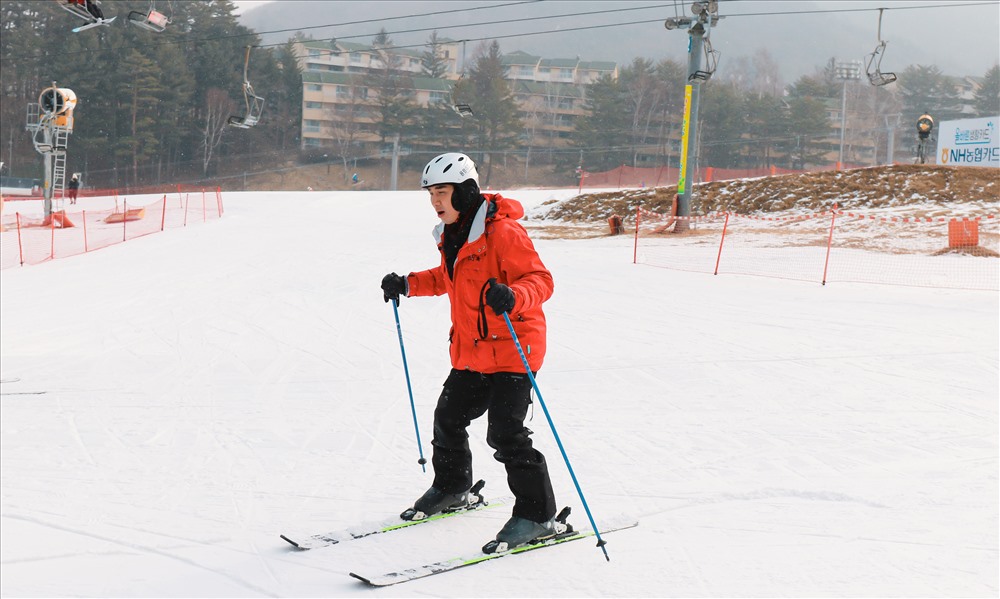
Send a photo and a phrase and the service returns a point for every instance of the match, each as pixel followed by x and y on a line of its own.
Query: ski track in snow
pixel 229 382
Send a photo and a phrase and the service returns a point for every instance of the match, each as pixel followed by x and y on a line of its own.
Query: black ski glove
pixel 394 286
pixel 499 297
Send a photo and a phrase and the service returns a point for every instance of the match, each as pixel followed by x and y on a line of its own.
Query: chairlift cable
pixel 494 37
pixel 641 22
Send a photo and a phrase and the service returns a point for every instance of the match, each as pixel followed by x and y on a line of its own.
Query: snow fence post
pixel 725 224
pixel 635 245
pixel 20 246
pixel 829 241
pixel 52 246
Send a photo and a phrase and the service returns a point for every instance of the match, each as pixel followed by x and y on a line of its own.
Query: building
pixel 337 102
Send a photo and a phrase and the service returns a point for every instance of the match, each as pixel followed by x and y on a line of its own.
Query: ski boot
pixel 434 501
pixel 518 531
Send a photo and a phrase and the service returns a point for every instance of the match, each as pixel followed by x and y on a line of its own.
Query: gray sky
pixel 960 37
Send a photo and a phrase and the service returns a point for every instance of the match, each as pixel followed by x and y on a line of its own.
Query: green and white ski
pixel 391 578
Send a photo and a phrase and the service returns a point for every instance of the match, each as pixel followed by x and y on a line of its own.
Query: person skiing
pixel 74 188
pixel 489 266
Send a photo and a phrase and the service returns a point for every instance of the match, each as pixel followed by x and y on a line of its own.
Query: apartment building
pixel 337 100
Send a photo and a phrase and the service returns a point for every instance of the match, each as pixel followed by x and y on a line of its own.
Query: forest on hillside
pixel 151 106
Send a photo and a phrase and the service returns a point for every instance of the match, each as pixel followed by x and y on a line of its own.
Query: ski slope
pixel 207 389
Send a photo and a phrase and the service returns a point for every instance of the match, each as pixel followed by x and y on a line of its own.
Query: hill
pixel 918 190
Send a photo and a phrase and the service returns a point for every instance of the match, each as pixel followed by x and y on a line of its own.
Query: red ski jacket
pixel 498 247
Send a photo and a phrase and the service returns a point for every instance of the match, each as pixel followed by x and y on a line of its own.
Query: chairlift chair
pixel 254 103
pixel 79 10
pixel 153 20
pixel 873 61
pixel 76 9
pixel 463 109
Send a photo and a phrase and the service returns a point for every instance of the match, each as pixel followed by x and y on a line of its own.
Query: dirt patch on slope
pixel 937 190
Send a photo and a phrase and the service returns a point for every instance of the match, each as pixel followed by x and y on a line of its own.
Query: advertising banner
pixel 969 142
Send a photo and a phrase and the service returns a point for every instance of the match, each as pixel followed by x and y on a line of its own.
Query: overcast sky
pixel 960 37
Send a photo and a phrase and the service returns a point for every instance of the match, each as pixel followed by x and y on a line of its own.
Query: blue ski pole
pixel 600 542
pixel 409 389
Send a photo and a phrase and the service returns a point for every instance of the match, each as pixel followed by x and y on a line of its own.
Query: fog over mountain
pixel 960 38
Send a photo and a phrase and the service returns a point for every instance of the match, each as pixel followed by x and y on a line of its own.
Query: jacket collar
pixel 478 224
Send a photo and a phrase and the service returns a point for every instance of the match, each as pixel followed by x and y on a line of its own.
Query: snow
pixel 209 388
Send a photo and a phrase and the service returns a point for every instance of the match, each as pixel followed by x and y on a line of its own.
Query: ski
pixel 390 524
pixel 93 24
pixel 391 578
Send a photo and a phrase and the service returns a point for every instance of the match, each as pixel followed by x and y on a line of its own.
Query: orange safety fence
pixel 29 237
pixel 830 246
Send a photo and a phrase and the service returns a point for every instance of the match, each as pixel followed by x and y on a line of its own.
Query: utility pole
pixel 846 71
pixel 395 163
pixel 699 27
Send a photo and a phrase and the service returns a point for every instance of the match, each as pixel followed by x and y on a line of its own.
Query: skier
pixel 488 266
pixel 74 188
pixel 94 8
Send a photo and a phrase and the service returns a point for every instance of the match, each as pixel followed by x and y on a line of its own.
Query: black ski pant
pixel 505 396
pixel 95 10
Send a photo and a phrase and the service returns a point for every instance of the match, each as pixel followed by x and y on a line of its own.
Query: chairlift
pixel 82 10
pixel 152 20
pixel 461 108
pixel 254 103
pixel 78 9
pixel 873 61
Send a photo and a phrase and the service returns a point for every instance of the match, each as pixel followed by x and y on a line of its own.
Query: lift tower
pixel 706 15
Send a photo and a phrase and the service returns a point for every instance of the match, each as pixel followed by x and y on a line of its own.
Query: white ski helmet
pixel 452 167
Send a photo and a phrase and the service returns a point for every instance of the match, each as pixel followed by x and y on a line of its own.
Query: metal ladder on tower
pixel 59 164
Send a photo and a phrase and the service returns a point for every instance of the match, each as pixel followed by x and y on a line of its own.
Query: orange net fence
pixel 961 252
pixel 30 237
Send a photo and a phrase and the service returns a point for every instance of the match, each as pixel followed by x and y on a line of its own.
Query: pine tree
pixel 924 89
pixel 139 93
pixel 432 60
pixel 720 123
pixel 497 119
pixel 987 102
pixel 808 123
pixel 393 88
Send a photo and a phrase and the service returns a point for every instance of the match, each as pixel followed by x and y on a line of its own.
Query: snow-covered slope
pixel 207 389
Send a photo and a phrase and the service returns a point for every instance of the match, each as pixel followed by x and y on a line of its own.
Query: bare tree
pixel 218 107
pixel 344 124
